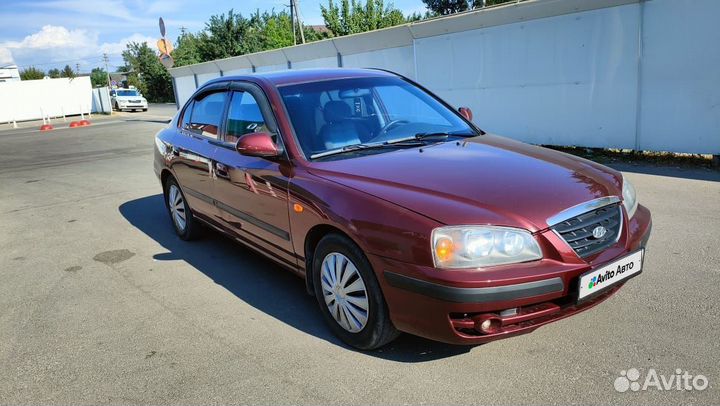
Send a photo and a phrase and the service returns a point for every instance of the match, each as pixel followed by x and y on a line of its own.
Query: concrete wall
pixel 33 99
pixel 597 73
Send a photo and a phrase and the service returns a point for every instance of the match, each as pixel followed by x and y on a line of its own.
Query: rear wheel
pixel 182 218
pixel 349 294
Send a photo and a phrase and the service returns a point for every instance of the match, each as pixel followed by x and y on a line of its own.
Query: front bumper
pixel 443 304
pixel 133 106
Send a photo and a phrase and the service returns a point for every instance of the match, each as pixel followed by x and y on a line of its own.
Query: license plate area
pixel 600 279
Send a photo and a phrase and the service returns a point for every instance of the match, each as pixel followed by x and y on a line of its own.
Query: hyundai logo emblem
pixel 599 232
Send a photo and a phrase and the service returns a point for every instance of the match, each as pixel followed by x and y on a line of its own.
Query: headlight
pixel 629 197
pixel 480 246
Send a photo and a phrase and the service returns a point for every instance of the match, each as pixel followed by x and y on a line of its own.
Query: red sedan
pixel 399 213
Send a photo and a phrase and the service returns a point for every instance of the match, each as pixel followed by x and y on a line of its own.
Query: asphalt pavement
pixel 101 303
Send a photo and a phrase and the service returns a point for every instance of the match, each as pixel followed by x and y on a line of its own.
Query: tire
pixel 144 109
pixel 116 106
pixel 346 317
pixel 181 217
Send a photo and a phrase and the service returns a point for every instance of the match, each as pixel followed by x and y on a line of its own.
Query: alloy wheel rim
pixel 177 207
pixel 344 292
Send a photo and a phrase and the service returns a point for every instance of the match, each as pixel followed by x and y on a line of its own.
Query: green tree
pixel 351 16
pixel 225 36
pixel 54 73
pixel 31 73
pixel 186 50
pixel 67 72
pixel 147 73
pixel 98 77
pixel 445 7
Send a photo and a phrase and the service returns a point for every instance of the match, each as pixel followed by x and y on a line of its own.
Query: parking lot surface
pixel 101 303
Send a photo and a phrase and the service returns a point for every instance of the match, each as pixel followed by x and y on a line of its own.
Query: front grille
pixel 578 231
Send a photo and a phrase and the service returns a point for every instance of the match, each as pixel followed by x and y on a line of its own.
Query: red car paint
pixel 389 203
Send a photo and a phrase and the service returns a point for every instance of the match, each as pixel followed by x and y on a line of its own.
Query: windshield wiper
pixel 428 135
pixel 358 147
pixel 347 148
pixel 415 140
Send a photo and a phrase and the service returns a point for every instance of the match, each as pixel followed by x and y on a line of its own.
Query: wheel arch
pixel 312 238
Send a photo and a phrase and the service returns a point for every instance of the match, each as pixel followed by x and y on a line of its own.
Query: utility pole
pixel 77 68
pixel 107 71
pixel 299 21
pixel 292 20
pixel 182 30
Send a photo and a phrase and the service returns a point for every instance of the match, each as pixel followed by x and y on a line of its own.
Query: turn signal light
pixel 444 249
pixel 298 208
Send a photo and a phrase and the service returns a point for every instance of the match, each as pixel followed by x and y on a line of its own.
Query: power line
pixel 98 58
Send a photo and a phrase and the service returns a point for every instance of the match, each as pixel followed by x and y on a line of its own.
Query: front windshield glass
pixel 127 93
pixel 333 114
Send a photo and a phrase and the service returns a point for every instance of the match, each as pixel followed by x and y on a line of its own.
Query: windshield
pixel 127 93
pixel 336 114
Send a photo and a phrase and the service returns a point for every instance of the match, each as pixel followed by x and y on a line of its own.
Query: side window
pixel 186 115
pixel 244 116
pixel 401 105
pixel 206 114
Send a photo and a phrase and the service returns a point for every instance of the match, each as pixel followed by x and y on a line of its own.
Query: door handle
pixel 221 171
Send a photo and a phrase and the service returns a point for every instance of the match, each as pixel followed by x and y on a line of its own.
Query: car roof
pixel 288 77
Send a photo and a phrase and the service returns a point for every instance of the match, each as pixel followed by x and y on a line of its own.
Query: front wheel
pixel 349 294
pixel 182 218
pixel 144 109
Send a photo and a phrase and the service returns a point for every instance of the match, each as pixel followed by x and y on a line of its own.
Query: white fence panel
pixel 399 59
pixel 101 100
pixel 680 77
pixel 271 68
pixel 244 71
pixel 33 99
pixel 202 78
pixel 185 87
pixel 564 80
pixel 329 62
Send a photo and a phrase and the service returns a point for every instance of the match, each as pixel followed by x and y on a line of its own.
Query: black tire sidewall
pixel 186 234
pixel 375 332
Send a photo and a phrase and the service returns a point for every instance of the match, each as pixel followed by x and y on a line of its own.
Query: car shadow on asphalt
pixel 262 284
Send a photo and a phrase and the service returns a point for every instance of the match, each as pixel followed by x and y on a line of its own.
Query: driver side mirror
pixel 466 112
pixel 258 144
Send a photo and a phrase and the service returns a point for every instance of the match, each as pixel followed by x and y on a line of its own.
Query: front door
pixel 251 192
pixel 195 146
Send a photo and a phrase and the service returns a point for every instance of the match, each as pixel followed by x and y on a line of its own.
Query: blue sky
pixel 52 33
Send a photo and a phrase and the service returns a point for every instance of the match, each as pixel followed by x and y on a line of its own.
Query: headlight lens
pixel 481 246
pixel 629 197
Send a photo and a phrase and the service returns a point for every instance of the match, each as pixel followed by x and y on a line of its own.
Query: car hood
pixel 124 98
pixel 481 180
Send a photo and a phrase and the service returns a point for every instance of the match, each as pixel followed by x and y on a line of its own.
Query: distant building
pixel 9 73
pixel 320 29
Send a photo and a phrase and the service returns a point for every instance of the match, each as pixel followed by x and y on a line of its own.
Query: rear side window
pixel 244 116
pixel 206 115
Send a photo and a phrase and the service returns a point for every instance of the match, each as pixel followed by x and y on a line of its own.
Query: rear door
pixel 252 192
pixel 200 129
